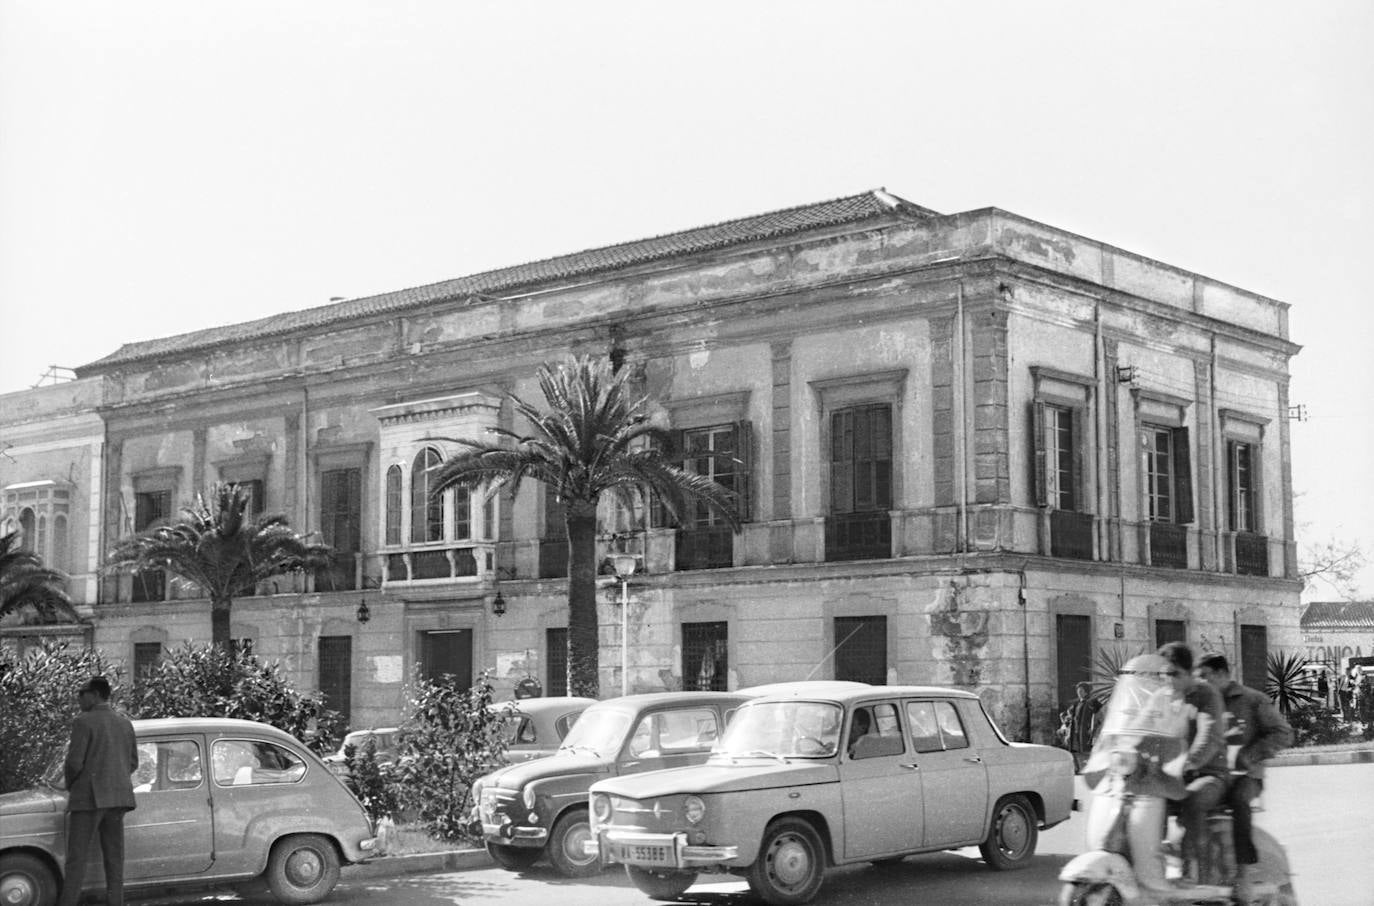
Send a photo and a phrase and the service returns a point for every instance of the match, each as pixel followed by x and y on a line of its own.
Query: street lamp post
pixel 624 568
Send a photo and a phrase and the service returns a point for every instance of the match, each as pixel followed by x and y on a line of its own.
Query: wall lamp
pixel 498 604
pixel 363 613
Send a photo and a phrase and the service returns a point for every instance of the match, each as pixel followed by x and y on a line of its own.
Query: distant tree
pixel 1334 563
pixel 593 438
pixel 218 549
pixel 27 585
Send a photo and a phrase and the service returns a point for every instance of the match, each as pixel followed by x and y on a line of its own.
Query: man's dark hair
pixel 99 685
pixel 1178 654
pixel 1215 662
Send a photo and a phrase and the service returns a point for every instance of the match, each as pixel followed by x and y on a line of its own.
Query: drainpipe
pixel 1100 432
pixel 960 387
pixel 1025 650
pixel 1218 456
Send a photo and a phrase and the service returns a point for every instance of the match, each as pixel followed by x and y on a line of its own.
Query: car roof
pixel 807 687
pixel 644 700
pixel 852 693
pixel 229 725
pixel 540 705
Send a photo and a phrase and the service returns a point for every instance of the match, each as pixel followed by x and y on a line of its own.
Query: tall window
pixel 724 454
pixel 705 656
pixel 1060 453
pixel 150 507
pixel 426 514
pixel 147 655
pixel 341 498
pixel 858 526
pixel 556 659
pixel 1242 486
pixel 1168 474
pixel 1254 655
pixel 446 657
pixel 861 649
pixel 393 505
pixel 462 514
pixel 1170 631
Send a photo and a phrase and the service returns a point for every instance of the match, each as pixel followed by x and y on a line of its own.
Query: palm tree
pixel 215 547
pixel 593 438
pixel 25 583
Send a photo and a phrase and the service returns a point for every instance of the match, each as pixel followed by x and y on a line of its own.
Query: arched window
pixel 59 543
pixel 26 529
pixel 393 505
pixel 426 515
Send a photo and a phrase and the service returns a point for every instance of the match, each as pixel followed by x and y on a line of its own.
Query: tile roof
pixel 874 204
pixel 1329 615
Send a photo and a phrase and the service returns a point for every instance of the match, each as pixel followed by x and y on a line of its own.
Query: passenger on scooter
pixel 1205 770
pixel 1259 731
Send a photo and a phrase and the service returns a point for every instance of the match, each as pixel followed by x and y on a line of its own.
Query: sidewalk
pixel 1288 757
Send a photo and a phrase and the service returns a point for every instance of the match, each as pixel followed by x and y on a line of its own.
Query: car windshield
pixel 600 731
pixel 785 729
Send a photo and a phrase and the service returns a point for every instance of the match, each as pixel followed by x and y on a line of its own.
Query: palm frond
pixel 1287 683
pixel 26 584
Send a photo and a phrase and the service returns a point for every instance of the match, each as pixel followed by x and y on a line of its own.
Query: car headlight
pixel 601 808
pixel 527 796
pixel 694 809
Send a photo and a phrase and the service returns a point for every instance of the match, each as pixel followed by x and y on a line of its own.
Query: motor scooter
pixel 1135 768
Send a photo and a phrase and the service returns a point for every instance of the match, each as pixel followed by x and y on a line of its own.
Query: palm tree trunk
pixel 584 642
pixel 219 622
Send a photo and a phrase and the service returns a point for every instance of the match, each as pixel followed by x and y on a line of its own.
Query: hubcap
pixel 17 890
pixel 304 868
pixel 572 844
pixel 791 861
pixel 1013 831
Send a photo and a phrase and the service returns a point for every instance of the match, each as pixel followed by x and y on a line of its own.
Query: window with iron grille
pixel 336 672
pixel 393 505
pixel 724 454
pixel 1170 631
pixel 341 497
pixel 147 655
pixel 149 508
pixel 426 513
pixel 1254 655
pixel 256 501
pixel 705 656
pixel 462 514
pixel 556 660
pixel 861 649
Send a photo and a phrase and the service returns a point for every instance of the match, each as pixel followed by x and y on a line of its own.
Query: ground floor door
pixel 1073 642
pixel 446 657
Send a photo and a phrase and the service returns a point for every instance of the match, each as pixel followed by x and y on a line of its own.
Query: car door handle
pixel 973 759
pixel 914 767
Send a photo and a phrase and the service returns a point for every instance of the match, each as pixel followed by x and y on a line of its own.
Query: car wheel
pixel 1092 894
pixel 565 846
pixel 26 881
pixel 660 884
pixel 513 858
pixel 302 869
pixel 791 863
pixel 1013 835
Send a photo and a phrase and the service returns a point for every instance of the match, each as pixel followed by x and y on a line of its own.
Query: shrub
pixel 1287 683
pixel 37 705
pixel 207 681
pixel 1314 725
pixel 448 740
pixel 372 782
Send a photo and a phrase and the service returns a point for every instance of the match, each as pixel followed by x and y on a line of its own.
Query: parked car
pixel 218 800
pixel 526 810
pixel 536 727
pixel 811 778
pixel 385 739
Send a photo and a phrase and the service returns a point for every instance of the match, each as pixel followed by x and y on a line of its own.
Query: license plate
pixel 640 854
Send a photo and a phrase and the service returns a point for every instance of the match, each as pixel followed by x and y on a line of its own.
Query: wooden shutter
pixel 1040 461
pixel 842 462
pixel 1183 477
pixel 1078 420
pixel 744 469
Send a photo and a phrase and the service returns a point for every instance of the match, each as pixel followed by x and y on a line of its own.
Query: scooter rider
pixel 1259 730
pixel 1205 770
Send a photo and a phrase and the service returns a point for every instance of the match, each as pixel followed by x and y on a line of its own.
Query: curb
pixel 420 863
pixel 1294 757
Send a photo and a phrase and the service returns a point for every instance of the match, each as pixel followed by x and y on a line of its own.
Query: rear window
pixel 242 762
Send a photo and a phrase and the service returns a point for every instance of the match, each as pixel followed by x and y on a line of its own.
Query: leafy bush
pixel 371 781
pixel 1315 725
pixel 37 705
pixel 448 740
pixel 207 681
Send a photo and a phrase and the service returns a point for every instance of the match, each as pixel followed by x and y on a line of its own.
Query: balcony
pixel 470 560
pixel 1252 554
pixel 858 536
pixel 1169 545
pixel 1071 534
pixel 711 547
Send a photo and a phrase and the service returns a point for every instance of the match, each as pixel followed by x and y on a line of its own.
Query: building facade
pixel 970 449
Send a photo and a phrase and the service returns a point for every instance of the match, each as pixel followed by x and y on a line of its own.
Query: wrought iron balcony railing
pixel 1169 545
pixel 1071 534
pixel 858 536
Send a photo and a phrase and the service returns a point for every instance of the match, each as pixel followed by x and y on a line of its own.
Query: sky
pixel 169 166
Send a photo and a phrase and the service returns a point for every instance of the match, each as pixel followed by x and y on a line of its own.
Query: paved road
pixel 1321 813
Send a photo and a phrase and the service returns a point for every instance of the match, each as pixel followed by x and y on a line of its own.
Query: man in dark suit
pixel 102 754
